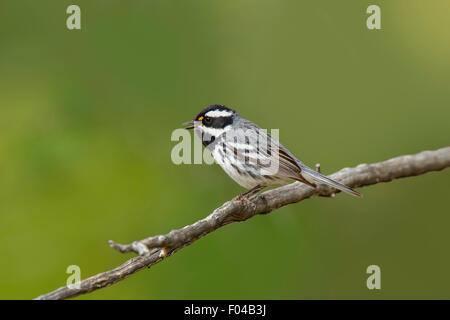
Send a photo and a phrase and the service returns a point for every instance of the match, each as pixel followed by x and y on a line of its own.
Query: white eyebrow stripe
pixel 219 113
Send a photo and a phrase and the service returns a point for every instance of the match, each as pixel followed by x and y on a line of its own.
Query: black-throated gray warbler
pixel 249 155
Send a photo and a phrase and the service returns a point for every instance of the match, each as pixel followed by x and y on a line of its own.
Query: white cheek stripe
pixel 214 131
pixel 219 113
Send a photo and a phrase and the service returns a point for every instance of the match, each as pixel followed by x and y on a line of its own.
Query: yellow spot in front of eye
pixel 200 118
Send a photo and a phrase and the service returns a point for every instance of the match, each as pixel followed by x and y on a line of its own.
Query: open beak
pixel 189 124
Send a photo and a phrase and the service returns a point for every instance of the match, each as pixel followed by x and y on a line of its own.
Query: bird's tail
pixel 310 174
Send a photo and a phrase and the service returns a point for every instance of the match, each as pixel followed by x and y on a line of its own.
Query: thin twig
pixel 154 249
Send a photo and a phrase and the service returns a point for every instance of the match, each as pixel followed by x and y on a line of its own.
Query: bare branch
pixel 154 249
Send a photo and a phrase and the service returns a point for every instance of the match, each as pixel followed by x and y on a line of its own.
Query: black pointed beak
pixel 190 125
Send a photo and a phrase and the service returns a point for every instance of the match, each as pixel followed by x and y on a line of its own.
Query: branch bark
pixel 154 249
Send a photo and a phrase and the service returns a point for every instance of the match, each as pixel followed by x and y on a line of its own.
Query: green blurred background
pixel 85 124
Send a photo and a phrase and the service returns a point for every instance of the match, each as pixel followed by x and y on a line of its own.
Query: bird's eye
pixel 207 120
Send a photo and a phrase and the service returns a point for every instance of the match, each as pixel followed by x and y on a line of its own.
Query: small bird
pixel 249 155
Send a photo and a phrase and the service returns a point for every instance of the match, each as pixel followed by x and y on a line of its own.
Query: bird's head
pixel 212 121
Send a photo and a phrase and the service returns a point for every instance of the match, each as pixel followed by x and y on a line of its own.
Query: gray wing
pixel 257 147
pixel 252 145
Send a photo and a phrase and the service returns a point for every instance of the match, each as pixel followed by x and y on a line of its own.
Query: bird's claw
pixel 163 252
pixel 245 199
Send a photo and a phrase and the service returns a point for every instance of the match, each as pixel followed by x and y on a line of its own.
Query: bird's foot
pixel 247 194
pixel 163 252
pixel 245 197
